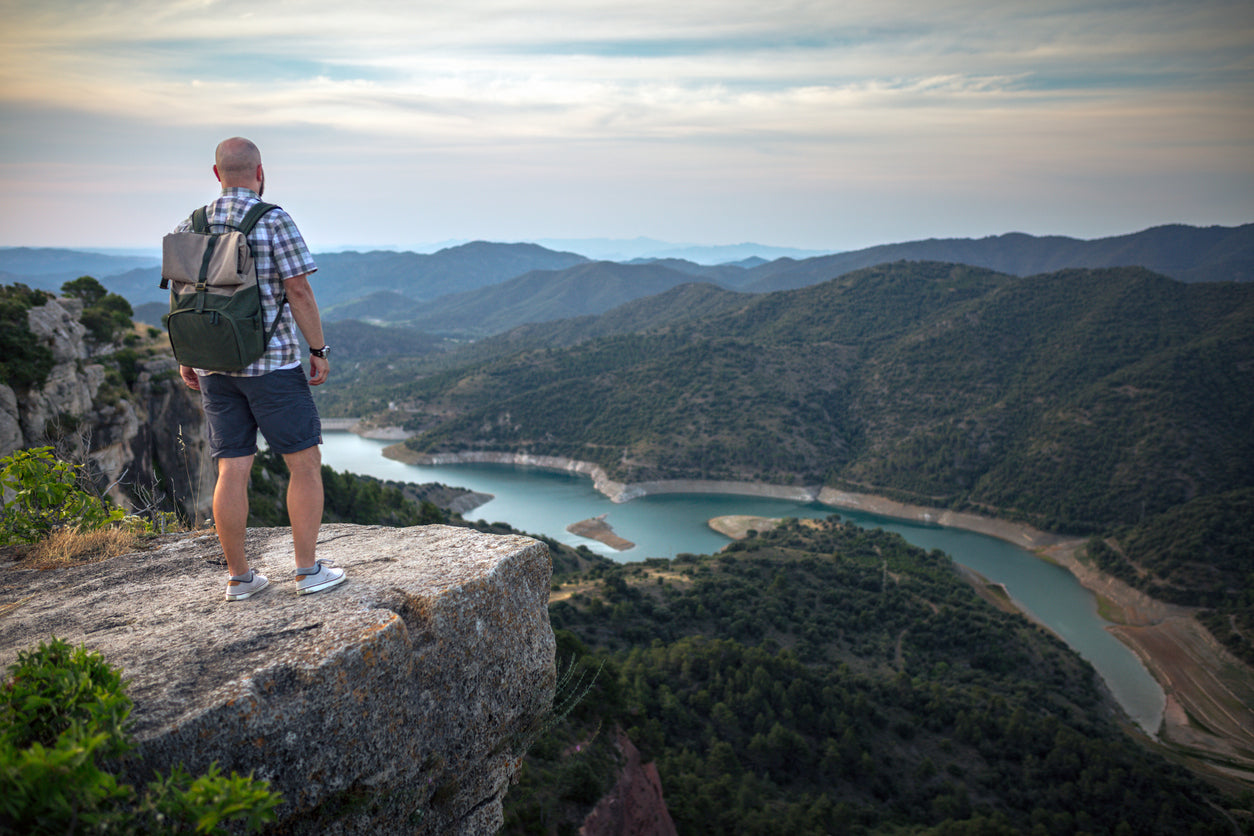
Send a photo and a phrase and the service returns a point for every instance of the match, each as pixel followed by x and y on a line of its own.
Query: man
pixel 272 394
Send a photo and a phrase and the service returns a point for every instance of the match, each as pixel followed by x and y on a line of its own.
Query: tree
pixel 105 314
pixel 85 288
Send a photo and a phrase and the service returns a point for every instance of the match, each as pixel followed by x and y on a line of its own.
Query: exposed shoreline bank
pixel 1020 534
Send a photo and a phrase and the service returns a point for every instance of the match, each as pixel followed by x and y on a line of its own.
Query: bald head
pixel 237 162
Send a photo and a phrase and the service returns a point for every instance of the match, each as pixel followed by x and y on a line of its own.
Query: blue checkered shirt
pixel 279 253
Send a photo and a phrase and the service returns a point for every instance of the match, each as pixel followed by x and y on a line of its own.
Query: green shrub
pixel 46 497
pixel 62 721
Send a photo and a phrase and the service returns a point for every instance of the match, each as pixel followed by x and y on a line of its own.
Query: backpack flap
pixel 222 260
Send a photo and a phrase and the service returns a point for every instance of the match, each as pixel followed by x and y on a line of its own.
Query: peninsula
pixel 596 528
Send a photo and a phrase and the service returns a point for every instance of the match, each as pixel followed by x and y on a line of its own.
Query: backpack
pixel 215 320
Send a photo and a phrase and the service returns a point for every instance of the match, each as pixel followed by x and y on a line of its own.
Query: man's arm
pixel 300 297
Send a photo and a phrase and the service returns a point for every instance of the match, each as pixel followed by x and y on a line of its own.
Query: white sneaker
pixel 239 590
pixel 321 577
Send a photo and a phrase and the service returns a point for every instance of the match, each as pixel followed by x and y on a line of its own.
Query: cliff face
pixel 400 702
pixel 149 441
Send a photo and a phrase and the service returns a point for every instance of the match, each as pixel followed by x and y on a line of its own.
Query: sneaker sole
pixel 241 596
pixel 324 585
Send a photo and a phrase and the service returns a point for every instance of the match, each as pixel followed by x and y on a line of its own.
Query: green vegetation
pixel 348 498
pixel 45 494
pixel 355 340
pixel 824 678
pixel 63 714
pixel 24 361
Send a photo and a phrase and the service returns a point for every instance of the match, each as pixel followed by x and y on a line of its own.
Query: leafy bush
pixel 47 497
pixel 62 718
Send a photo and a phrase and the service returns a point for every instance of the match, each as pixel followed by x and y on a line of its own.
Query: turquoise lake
pixel 545 502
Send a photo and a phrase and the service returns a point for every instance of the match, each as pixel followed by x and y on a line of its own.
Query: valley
pixel 1087 401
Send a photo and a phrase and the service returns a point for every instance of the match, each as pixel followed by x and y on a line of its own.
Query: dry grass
pixel 67 546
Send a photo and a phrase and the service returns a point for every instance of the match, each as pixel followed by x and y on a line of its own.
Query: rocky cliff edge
pixel 399 702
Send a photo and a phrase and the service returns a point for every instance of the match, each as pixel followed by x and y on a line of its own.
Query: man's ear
pixel 216 174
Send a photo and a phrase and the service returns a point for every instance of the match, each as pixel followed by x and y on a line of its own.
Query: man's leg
pixel 304 502
pixel 230 510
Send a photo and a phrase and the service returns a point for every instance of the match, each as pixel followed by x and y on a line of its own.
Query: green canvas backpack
pixel 215 320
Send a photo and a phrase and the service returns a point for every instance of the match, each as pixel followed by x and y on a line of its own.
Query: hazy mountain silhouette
pixel 541 296
pixel 1185 253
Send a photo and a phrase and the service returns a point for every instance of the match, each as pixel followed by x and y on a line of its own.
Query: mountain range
pixel 437 291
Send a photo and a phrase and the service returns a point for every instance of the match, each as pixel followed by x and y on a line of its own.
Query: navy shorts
pixel 278 403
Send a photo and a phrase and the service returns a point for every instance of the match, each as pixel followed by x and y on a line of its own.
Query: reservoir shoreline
pixel 1020 534
pixel 1209 716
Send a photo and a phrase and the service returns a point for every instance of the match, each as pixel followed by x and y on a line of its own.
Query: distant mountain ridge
pixel 591 288
pixel 1185 253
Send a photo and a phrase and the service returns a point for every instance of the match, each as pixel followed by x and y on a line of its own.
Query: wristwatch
pixel 319 352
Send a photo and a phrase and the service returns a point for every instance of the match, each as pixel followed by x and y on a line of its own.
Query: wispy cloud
pixel 865 91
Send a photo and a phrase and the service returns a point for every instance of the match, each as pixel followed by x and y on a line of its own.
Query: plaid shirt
pixel 280 253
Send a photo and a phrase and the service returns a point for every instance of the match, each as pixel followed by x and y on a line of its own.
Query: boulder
pixel 401 701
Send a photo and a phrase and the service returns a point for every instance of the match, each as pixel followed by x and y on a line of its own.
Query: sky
pixel 826 125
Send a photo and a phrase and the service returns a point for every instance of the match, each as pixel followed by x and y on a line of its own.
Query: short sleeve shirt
pixel 279 253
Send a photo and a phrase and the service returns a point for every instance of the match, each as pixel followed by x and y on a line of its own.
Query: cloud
pixel 779 98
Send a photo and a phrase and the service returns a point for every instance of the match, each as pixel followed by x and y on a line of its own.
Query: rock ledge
pixel 401 701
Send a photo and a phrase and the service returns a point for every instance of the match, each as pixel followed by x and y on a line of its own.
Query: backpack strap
pixel 250 220
pixel 200 220
pixel 254 214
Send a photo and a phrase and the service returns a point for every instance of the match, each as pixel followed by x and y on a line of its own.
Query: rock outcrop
pixel 635 806
pixel 142 443
pixel 399 702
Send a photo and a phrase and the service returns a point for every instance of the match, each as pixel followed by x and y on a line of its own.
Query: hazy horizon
pixel 799 125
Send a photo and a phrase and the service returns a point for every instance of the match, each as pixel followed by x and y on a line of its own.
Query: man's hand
pixel 189 377
pixel 319 368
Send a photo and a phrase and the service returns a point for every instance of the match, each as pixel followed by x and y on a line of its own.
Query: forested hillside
pixel 1076 401
pixel 822 678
